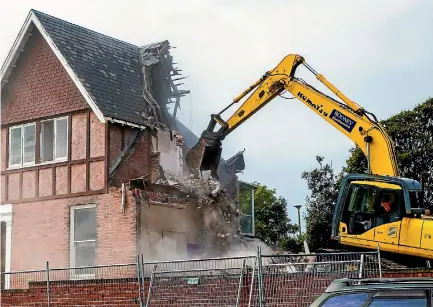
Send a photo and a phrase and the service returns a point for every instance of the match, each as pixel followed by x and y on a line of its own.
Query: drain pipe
pixel 123 197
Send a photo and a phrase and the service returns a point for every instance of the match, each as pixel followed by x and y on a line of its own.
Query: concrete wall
pixel 165 231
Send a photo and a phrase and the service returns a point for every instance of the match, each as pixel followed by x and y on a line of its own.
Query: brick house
pixel 87 124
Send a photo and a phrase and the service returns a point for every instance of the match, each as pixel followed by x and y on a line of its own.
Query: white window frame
pixel 22 163
pixel 73 274
pixel 55 158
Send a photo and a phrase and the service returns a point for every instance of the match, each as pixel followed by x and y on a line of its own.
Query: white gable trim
pixel 17 47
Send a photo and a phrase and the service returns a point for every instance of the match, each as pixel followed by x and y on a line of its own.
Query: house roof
pixel 106 70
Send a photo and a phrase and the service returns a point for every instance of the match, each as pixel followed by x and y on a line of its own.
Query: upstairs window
pixel 54 139
pixel 22 145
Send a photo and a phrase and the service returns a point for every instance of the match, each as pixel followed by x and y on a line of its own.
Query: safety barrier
pixel 259 280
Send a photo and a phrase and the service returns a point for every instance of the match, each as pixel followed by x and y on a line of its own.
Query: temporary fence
pixel 259 280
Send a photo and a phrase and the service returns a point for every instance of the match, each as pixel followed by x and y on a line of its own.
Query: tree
pixel 323 185
pixel 412 133
pixel 272 224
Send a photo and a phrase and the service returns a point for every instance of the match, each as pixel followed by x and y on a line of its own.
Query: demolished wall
pixel 209 215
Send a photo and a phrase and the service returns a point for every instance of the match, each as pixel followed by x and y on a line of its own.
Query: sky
pixel 379 53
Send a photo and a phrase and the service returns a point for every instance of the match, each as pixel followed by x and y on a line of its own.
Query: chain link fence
pixel 261 280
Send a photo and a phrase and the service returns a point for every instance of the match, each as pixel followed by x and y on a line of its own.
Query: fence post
pixel 252 283
pixel 143 284
pixel 48 283
pixel 140 297
pixel 260 277
pixel 361 265
pixel 240 284
pixel 379 260
pixel 150 285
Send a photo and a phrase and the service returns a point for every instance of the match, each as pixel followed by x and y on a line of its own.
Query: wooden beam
pixel 58 164
pixel 86 193
pixel 88 153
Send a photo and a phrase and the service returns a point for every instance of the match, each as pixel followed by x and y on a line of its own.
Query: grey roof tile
pixel 108 68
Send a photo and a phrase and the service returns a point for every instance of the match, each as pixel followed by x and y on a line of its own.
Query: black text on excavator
pixel 378 208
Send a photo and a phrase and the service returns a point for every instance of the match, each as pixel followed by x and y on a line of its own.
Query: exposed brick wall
pixel 40 231
pixel 79 134
pixel 117 293
pixel 45 182
pixel 116 230
pixel 136 164
pixel 115 136
pixel 38 86
pixel 97 137
pixel 14 186
pixel 3 149
pixel 29 184
pixel 78 178
pixel 3 188
pixel 97 175
pixel 61 180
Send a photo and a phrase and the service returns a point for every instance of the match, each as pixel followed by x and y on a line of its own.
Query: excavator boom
pixel 346 116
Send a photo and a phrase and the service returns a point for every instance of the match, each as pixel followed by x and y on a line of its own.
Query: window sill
pixel 11 168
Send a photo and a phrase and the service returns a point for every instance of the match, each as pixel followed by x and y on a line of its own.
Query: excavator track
pixel 388 261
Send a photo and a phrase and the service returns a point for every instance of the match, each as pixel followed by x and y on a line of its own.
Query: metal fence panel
pixel 200 282
pixel 262 280
pixel 297 280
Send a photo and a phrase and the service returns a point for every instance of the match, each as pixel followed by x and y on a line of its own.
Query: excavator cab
pixel 372 209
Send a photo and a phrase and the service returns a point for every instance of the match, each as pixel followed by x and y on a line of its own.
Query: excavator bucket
pixel 204 156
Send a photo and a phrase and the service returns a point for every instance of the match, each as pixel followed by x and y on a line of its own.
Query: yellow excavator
pixel 379 208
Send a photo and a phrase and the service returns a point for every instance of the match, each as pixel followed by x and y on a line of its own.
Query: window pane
pixel 47 143
pixel 84 254
pixel 85 224
pixel 348 300
pixel 407 302
pixel 15 146
pixel 29 143
pixel 61 138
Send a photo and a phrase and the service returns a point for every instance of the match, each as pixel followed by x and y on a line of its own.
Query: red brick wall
pixel 38 86
pixel 41 232
pixel 3 161
pixel 79 134
pixel 137 163
pixel 118 293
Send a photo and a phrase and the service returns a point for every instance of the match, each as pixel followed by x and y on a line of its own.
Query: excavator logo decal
pixel 313 105
pixel 343 120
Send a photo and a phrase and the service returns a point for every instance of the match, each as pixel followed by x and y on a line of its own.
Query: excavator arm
pixel 347 116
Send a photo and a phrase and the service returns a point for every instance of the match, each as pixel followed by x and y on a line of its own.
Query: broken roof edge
pixel 7 67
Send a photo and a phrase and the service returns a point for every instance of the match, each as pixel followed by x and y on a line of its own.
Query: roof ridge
pixel 81 27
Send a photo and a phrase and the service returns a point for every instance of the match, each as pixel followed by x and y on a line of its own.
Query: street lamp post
pixel 298 207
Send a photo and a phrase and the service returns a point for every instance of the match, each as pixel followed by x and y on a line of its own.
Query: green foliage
pixel 412 133
pixel 323 186
pixel 272 224
pixel 294 244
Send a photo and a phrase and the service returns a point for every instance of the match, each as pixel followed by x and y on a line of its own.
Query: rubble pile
pixel 219 211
